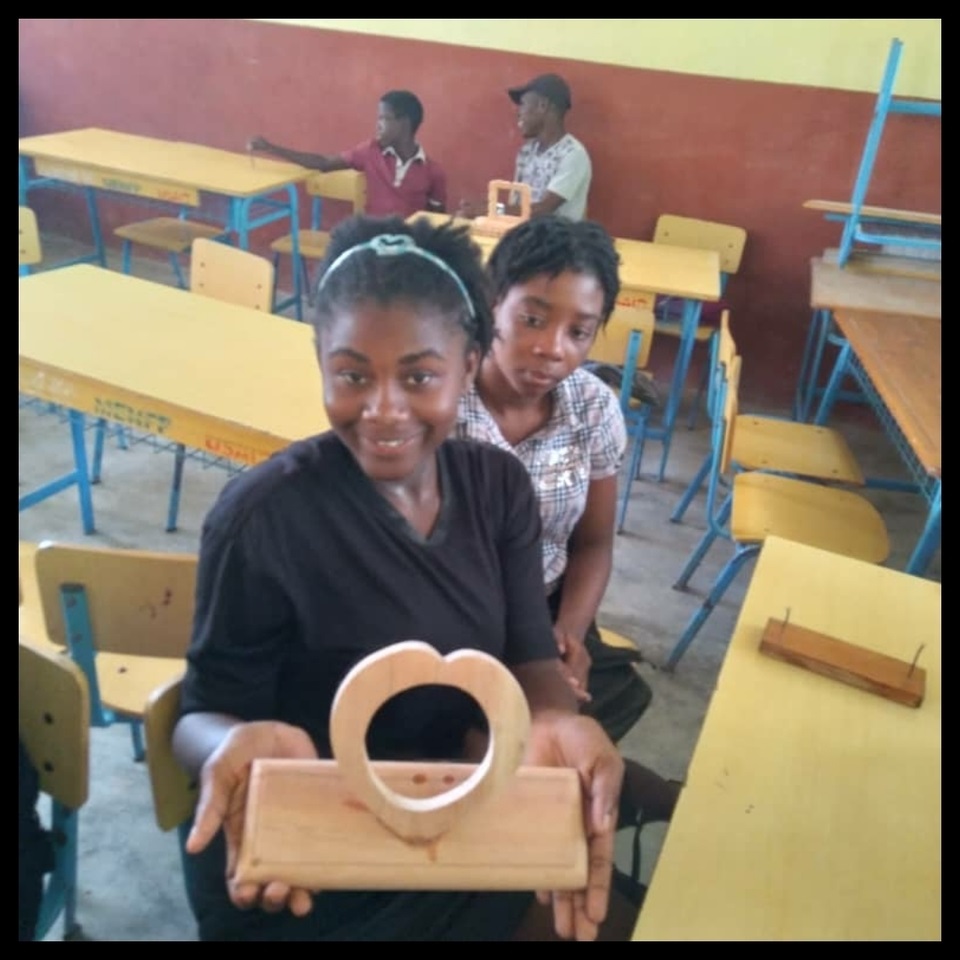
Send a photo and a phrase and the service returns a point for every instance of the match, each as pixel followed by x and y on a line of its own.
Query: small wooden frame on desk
pixel 345 825
pixel 857 666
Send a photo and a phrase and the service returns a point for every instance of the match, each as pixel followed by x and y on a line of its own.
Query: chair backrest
pixel 348 185
pixel 722 351
pixel 730 410
pixel 610 344
pixel 727 240
pixel 174 792
pixel 30 251
pixel 139 602
pixel 55 722
pixel 228 273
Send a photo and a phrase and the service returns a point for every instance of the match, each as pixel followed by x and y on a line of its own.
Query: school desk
pixel 232 382
pixel 648 269
pixel 879 284
pixel 896 362
pixel 811 809
pixel 258 190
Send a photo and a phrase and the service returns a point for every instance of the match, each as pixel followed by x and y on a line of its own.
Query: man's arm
pixel 437 191
pixel 549 203
pixel 312 161
pixel 572 174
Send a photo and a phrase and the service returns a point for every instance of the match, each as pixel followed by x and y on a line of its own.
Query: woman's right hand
pixel 224 781
pixel 257 143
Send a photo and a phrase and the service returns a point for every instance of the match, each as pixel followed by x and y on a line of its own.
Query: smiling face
pixel 392 378
pixel 545 328
pixel 531 112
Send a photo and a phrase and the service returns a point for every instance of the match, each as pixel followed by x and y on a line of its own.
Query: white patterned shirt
pixel 583 440
pixel 563 168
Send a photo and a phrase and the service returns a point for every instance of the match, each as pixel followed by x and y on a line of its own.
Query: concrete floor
pixel 130 878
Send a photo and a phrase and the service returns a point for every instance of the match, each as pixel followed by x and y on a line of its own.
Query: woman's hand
pixel 576 661
pixel 560 739
pixel 257 143
pixel 224 781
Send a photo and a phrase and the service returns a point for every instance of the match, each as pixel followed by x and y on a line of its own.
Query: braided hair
pixel 553 245
pixel 364 276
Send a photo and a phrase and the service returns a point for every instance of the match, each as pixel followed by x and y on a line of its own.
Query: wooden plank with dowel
pixel 857 666
pixel 344 824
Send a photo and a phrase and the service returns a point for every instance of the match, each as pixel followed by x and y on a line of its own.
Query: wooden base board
pixel 303 827
pixel 875 672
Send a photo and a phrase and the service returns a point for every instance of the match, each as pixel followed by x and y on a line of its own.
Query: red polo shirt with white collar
pixel 395 188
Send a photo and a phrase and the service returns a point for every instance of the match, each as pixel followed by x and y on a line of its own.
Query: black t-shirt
pixel 305 568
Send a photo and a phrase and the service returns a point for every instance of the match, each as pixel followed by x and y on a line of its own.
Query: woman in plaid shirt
pixel 555 284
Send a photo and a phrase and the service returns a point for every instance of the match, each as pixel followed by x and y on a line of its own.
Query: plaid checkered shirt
pixel 583 440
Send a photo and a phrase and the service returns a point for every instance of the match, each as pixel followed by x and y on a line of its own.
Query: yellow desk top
pixel 645 267
pixel 833 288
pixel 811 809
pixel 181 164
pixel 227 379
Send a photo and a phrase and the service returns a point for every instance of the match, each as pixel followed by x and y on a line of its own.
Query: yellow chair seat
pixel 612 639
pixel 821 453
pixel 168 233
pixel 672 328
pixel 835 520
pixel 313 244
pixel 126 681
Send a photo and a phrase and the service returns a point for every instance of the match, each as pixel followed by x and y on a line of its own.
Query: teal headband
pixel 396 245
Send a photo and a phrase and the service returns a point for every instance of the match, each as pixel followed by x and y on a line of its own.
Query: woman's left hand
pixel 559 739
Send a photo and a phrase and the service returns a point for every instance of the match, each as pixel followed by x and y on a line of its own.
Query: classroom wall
pixel 733 120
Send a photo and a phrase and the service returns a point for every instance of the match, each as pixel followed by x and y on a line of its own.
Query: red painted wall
pixel 735 151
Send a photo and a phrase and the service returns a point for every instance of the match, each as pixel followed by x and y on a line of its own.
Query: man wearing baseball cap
pixel 553 162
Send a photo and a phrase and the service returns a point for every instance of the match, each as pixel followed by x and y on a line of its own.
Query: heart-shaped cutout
pixel 412 663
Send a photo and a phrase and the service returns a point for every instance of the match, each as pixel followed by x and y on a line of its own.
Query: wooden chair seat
pixel 839 521
pixel 312 244
pixel 671 328
pixel 167 233
pixel 616 639
pixel 127 681
pixel 785 446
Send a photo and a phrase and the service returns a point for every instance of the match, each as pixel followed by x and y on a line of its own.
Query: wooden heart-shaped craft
pixel 399 667
pixel 340 824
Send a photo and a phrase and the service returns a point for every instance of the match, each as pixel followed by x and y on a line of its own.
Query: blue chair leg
pixel 98 439
pixel 723 581
pixel 635 457
pixel 695 484
pixel 60 892
pixel 929 541
pixel 174 506
pixel 136 735
pixel 706 541
pixel 126 251
pixel 178 273
pixel 276 269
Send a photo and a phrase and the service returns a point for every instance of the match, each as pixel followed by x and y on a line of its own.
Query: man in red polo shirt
pixel 401 179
